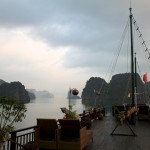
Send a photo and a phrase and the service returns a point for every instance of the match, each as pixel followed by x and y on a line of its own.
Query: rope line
pixel 112 66
pixel 141 38
pixel 116 55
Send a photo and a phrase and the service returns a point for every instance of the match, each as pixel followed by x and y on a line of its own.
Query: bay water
pixel 48 108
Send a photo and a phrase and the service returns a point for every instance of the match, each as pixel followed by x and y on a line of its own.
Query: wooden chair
pixel 46 133
pixel 143 112
pixel 85 120
pixel 93 114
pixel 72 136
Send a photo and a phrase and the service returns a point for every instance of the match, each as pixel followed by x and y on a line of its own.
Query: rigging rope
pixel 116 55
pixel 114 60
pixel 142 41
pixel 146 51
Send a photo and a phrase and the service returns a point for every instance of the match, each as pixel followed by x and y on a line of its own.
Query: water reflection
pixel 42 100
pixel 48 108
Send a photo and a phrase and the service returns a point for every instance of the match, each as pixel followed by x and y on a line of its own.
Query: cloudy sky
pixel 55 45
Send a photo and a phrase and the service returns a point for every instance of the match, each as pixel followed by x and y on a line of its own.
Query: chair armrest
pixel 85 137
pixel 37 133
pixel 58 134
pixel 82 130
pixel 84 133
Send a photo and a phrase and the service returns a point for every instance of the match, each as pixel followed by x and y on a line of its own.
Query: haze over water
pixel 47 108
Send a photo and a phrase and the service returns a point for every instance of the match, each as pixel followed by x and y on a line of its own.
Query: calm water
pixel 47 108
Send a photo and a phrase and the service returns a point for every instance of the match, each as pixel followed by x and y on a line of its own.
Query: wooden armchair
pixel 45 134
pixel 72 136
pixel 143 112
pixel 85 120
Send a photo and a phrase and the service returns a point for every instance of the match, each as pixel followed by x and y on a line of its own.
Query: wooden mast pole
pixel 132 59
pixel 135 77
pixel 132 120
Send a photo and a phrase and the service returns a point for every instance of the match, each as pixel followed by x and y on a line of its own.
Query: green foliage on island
pixel 18 92
pixel 100 93
pixel 14 90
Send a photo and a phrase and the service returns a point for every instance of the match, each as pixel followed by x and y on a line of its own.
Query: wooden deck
pixel 103 139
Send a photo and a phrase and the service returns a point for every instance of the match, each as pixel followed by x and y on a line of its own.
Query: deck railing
pixel 19 138
pixel 22 136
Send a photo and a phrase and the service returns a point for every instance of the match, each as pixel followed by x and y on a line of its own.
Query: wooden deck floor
pixel 103 139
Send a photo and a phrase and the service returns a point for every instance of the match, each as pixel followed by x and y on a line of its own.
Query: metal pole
pixel 133 115
pixel 132 60
pixel 94 98
pixel 135 82
pixel 70 99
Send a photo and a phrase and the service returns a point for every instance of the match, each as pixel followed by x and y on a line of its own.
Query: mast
pixel 135 77
pixel 132 60
pixel 133 116
pixel 135 71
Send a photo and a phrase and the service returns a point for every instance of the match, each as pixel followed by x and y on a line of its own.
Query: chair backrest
pixel 70 128
pixel 47 128
pixel 143 109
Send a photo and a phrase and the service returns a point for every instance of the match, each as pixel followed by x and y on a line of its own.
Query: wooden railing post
pixel 21 139
pixel 12 144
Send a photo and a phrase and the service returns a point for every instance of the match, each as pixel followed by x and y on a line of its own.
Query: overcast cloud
pixel 57 44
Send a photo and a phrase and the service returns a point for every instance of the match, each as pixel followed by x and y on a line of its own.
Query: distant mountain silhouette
pixel 31 95
pixel 98 92
pixel 40 94
pixel 17 91
pixel 1 81
pixel 14 90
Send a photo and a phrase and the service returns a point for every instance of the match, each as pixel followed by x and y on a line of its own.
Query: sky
pixel 55 45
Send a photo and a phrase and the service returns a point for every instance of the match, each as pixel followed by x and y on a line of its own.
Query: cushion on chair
pixel 47 128
pixel 70 128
